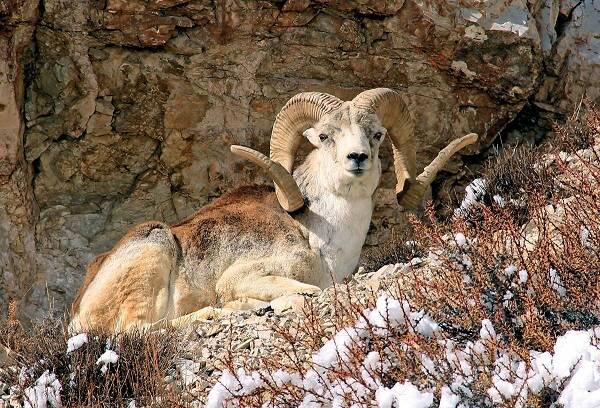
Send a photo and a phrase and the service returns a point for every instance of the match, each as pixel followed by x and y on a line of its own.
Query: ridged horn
pixel 299 113
pixel 290 197
pixel 388 105
pixel 415 192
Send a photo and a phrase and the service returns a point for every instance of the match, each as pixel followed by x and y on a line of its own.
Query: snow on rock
pixel 340 346
pixel 556 282
pixel 45 391
pixel 474 193
pixel 541 371
pixel 241 383
pixel 583 389
pixel 426 326
pixel 76 342
pixel 569 349
pixel 188 370
pixel 487 331
pixel 108 357
pixel 460 239
pixel 523 276
pixel 498 199
pixel 510 270
pixel 461 66
pixel 584 236
pixel 519 29
pixel 388 311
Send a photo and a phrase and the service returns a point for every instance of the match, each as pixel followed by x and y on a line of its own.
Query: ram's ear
pixel 313 137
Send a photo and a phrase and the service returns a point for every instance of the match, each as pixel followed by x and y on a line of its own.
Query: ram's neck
pixel 338 214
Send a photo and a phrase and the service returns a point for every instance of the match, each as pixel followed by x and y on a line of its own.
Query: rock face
pixel 18 257
pixel 115 112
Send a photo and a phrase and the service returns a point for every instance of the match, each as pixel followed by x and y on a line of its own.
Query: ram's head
pixel 351 133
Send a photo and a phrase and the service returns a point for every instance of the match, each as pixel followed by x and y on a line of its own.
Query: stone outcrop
pixel 18 257
pixel 114 112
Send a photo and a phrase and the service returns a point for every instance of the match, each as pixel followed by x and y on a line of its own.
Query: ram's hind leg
pixel 130 286
pixel 144 289
pixel 267 288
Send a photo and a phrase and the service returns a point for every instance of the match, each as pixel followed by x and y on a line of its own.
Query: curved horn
pixel 300 112
pixel 415 192
pixel 290 193
pixel 388 105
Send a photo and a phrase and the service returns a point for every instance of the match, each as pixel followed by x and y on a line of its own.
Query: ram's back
pixel 246 219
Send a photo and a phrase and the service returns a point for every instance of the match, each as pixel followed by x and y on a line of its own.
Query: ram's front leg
pixel 263 280
pixel 211 312
pixel 251 285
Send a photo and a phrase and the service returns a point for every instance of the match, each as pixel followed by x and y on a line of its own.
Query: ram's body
pixel 157 271
pixel 253 245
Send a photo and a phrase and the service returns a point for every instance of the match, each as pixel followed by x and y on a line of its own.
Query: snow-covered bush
pixel 49 368
pixel 505 312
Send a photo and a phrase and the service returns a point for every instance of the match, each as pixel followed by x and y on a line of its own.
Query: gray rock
pixel 128 107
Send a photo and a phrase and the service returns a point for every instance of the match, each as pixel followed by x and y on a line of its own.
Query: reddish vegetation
pixel 465 281
pixel 465 284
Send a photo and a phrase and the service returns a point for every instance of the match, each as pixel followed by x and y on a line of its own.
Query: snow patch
pixel 404 395
pixel 45 391
pixel 519 29
pixel 460 239
pixel 76 342
pixel 474 193
pixel 108 357
pixel 461 66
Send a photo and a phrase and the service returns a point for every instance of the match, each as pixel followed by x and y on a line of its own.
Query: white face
pixel 350 141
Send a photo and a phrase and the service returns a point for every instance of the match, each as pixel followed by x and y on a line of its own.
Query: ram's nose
pixel 358 157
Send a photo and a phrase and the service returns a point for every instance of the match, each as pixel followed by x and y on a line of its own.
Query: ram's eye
pixel 323 137
pixel 377 136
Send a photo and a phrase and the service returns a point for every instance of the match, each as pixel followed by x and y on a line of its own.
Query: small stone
pixel 214 330
pixel 244 345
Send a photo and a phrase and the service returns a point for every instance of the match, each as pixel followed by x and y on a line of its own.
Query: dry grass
pixel 517 171
pixel 144 361
pixel 401 248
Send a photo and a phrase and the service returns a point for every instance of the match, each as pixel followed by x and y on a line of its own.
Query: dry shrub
pixel 526 306
pixel 516 171
pixel 531 280
pixel 580 130
pixel 513 177
pixel 401 248
pixel 144 361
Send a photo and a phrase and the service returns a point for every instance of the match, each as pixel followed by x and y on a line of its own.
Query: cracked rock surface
pixel 115 112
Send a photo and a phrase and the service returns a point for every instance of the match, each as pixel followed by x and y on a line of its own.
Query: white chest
pixel 337 229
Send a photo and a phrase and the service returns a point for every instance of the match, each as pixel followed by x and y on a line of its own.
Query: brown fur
pixel 91 272
pixel 139 231
pixel 232 239
pixel 252 211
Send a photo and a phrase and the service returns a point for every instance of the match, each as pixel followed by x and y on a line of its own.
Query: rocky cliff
pixel 113 112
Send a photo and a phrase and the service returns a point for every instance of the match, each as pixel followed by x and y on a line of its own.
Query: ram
pixel 254 244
